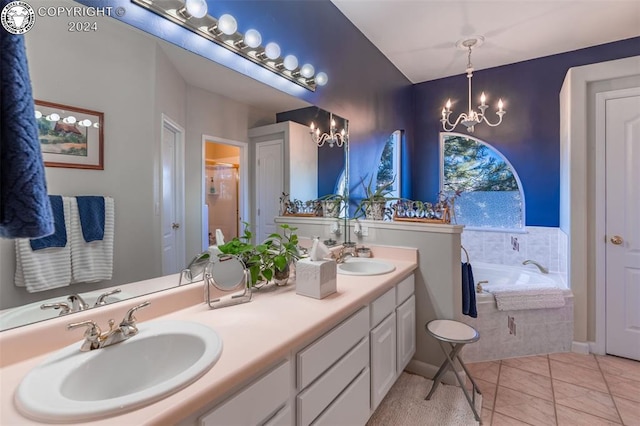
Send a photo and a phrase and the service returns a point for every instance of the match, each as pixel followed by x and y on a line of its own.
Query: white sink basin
pixel 32 312
pixel 72 386
pixel 363 266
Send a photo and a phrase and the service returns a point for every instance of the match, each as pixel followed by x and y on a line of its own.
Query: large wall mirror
pixel 135 80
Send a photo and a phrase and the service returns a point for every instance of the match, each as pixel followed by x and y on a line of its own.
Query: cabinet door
pixel 406 328
pixel 383 359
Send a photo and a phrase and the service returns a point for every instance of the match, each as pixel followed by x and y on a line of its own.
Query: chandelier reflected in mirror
pixel 334 137
pixel 472 117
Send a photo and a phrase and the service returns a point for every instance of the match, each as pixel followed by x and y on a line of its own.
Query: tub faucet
pixel 540 267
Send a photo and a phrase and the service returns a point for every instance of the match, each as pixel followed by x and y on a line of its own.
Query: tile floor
pixel 559 389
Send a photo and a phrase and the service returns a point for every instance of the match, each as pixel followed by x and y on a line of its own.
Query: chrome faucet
pixel 342 255
pixel 540 267
pixel 77 303
pixel 94 338
pixel 102 299
pixel 62 306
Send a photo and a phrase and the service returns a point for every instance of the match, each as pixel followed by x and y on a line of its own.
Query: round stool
pixel 456 334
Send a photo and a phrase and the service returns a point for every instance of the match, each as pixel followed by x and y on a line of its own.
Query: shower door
pixel 222 199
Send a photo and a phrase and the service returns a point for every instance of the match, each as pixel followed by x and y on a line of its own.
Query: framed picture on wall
pixel 70 137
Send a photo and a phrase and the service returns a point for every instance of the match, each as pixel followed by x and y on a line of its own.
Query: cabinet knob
pixel 175 225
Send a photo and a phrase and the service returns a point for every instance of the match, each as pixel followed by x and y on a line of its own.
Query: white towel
pixel 92 261
pixel 540 298
pixel 46 268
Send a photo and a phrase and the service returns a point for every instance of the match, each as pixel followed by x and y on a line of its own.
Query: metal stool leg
pixel 449 363
pixel 455 349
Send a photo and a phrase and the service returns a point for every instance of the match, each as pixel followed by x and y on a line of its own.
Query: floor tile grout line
pixel 606 383
pixel 553 392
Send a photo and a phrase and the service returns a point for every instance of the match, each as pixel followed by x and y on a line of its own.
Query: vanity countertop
pixel 255 335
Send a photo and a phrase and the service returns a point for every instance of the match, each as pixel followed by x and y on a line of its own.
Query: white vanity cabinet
pixel 265 401
pixel 392 337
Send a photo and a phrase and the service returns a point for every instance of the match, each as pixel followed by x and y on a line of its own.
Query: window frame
pixel 522 230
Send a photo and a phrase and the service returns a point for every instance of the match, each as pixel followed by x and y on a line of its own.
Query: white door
pixel 623 227
pixel 172 226
pixel 269 186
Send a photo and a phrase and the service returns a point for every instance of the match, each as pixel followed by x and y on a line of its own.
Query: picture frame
pixel 70 137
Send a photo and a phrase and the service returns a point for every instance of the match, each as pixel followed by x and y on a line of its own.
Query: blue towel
pixel 468 291
pixel 91 212
pixel 59 237
pixel 25 211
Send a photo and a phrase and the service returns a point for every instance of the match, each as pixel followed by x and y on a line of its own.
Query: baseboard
pixel 429 371
pixel 580 347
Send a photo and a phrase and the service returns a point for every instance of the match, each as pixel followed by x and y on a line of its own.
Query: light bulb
pixel 53 117
pixel 307 71
pixel 252 38
pixel 272 50
pixel 448 104
pixel 69 120
pixel 500 104
pixel 227 24
pixel 38 114
pixel 85 122
pixel 290 62
pixel 96 125
pixel 483 98
pixel 322 79
pixel 313 127
pixel 196 8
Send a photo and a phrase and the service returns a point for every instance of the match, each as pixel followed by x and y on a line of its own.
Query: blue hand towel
pixel 468 291
pixel 59 237
pixel 25 211
pixel 91 212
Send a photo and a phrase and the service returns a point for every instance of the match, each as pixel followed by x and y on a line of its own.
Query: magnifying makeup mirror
pixel 226 282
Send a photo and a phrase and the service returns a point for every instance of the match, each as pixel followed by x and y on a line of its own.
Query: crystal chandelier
pixel 470 119
pixel 332 138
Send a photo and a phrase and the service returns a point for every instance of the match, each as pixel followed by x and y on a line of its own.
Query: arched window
pixel 490 192
pixel 389 165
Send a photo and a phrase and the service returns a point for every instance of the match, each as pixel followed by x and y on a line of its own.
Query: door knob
pixel 617 240
pixel 175 225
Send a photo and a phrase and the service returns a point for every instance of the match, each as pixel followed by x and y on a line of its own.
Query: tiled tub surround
pixel 256 335
pixel 547 246
pixel 537 331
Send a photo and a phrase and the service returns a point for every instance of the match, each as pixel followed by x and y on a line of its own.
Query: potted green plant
pixel 374 204
pixel 332 204
pixel 269 260
pixel 281 251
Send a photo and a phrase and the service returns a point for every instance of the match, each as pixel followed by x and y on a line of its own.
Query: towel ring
pixel 465 252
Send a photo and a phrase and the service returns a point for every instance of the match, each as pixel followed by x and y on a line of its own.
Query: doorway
pixel 172 196
pixel 223 189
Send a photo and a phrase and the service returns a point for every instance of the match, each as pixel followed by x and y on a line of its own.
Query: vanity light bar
pixel 223 31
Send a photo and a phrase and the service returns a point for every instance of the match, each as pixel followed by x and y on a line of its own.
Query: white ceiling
pixel 419 36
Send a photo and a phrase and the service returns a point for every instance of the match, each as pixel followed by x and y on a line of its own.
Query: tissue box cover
pixel 316 278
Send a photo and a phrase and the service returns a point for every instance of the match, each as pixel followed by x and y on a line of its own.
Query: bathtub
pixel 518 276
pixel 508 334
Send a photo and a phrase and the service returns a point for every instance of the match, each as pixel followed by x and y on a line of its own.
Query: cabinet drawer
pixel 282 418
pixel 383 306
pixel 324 352
pixel 405 289
pixel 318 396
pixel 254 404
pixel 351 407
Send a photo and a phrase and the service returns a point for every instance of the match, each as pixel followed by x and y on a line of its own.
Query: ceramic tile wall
pixel 547 246
pixel 537 331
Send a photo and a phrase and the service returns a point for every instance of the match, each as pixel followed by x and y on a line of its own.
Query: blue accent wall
pixel 529 136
